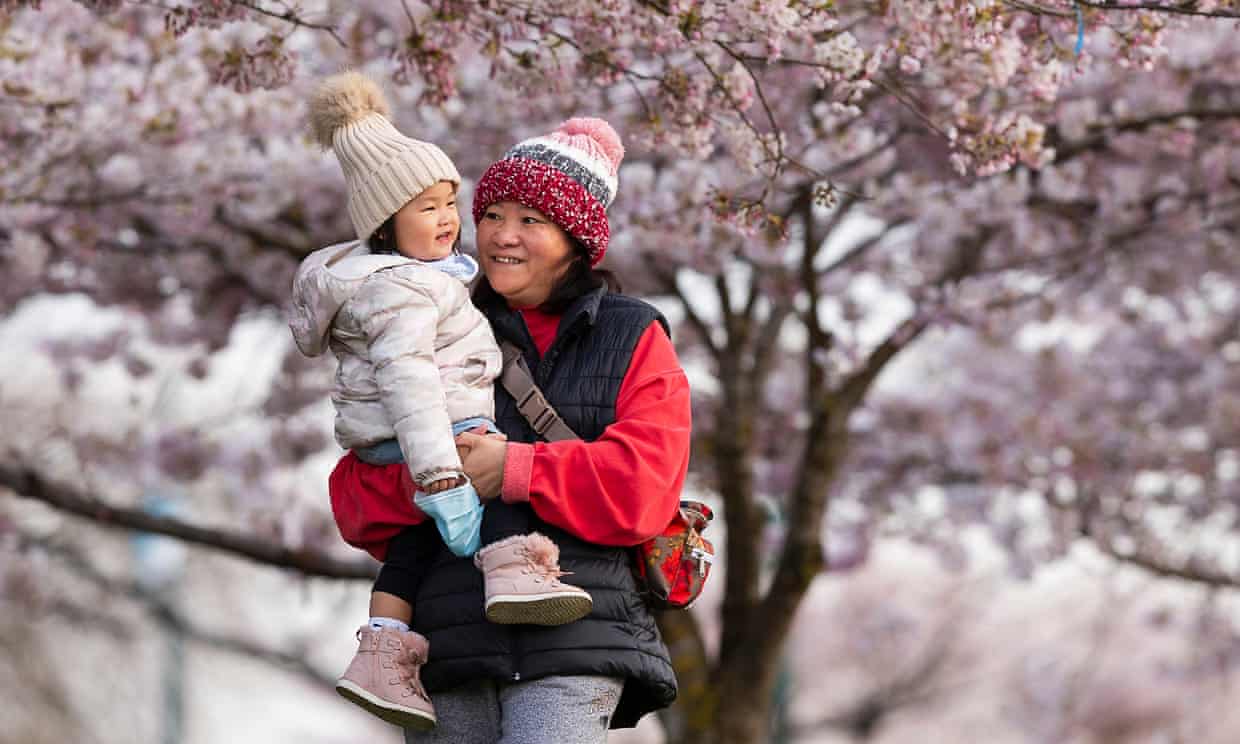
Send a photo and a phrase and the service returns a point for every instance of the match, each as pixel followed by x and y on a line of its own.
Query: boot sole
pixel 409 718
pixel 538 609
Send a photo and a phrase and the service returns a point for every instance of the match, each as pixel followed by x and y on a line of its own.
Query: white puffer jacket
pixel 414 353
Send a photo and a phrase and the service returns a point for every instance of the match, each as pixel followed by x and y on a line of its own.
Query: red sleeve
pixel 623 487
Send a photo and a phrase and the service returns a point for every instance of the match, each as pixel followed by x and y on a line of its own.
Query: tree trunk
pixel 690 719
pixel 745 700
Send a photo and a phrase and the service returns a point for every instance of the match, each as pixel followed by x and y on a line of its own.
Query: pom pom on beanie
pixel 341 100
pixel 593 136
pixel 383 169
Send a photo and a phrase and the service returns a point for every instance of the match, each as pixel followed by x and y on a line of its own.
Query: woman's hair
pixel 577 280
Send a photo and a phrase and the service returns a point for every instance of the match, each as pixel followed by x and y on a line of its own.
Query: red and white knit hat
pixel 568 175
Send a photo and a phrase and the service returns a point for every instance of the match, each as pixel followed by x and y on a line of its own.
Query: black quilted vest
pixel 581 376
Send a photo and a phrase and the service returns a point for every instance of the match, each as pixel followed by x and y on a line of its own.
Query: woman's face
pixel 427 226
pixel 523 253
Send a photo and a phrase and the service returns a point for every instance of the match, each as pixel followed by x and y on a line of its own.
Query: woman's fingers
pixel 484 462
pixel 485 432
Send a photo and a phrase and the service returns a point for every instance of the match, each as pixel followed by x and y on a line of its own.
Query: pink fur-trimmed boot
pixel 522 575
pixel 384 677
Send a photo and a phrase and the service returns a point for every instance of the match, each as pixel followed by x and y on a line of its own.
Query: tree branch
pixel 856 385
pixel 1092 526
pixel 1188 9
pixel 29 484
pixel 1192 570
pixel 1102 133
pixel 168 617
pixel 668 280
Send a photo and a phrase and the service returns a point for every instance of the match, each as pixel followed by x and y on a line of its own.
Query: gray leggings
pixel 555 710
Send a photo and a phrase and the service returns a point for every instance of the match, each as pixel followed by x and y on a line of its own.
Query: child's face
pixel 426 227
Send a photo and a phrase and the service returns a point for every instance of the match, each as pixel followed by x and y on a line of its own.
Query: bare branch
pixel 863 247
pixel 1145 555
pixel 166 615
pixel 29 484
pixel 668 280
pixel 1184 8
pixel 1103 132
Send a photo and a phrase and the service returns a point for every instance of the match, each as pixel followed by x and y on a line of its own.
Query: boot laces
pixel 407 663
pixel 543 566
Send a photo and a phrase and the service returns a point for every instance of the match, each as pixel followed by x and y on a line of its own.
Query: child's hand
pixel 443 484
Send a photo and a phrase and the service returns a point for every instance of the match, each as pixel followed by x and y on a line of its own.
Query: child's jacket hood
pixel 325 281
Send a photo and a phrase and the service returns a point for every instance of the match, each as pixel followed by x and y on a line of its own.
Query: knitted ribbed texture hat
pixel 568 175
pixel 383 168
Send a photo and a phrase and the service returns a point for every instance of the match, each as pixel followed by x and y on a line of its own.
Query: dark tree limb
pixel 1101 135
pixel 29 484
pixel 162 611
pixel 667 279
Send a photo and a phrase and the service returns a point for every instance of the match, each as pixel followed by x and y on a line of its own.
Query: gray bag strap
pixel 519 383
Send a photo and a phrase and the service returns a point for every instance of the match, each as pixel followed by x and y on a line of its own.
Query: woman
pixel 605 362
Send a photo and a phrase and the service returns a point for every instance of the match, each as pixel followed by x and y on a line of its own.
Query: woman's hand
pixel 483 460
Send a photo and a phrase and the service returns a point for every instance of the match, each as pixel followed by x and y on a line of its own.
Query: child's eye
pixel 491 215
pixel 531 220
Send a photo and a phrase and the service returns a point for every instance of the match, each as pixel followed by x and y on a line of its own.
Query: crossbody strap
pixel 531 402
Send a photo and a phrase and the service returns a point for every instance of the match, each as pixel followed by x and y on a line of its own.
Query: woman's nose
pixel 505 235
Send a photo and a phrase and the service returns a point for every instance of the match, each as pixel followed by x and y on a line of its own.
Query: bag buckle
pixel 702 559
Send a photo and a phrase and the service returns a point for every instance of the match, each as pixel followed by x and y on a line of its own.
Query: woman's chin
pixel 516 293
pixel 504 279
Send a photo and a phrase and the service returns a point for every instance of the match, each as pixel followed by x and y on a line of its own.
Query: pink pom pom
pixel 606 141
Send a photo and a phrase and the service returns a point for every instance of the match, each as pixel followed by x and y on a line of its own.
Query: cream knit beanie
pixel 383 168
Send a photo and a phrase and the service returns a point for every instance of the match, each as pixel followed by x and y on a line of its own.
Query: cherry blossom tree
pixel 941 263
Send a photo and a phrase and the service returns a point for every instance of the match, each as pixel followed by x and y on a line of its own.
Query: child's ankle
pixel 379 623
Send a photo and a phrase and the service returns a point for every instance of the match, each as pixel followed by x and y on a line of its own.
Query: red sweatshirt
pixel 620 489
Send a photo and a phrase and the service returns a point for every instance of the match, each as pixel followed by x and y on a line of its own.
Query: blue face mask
pixel 458 515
